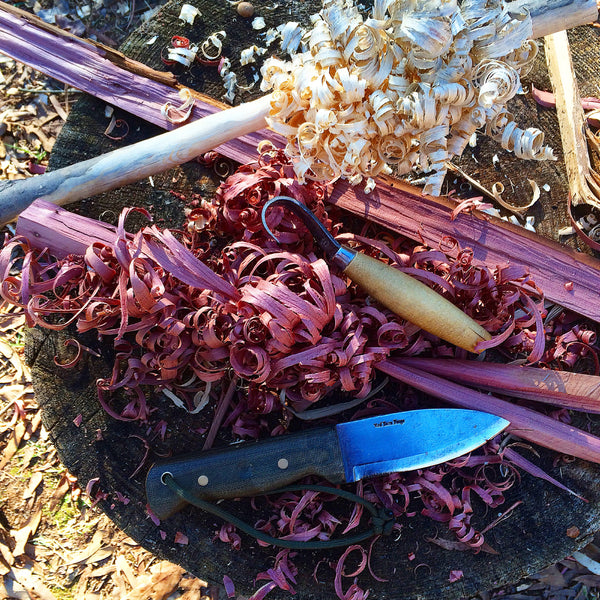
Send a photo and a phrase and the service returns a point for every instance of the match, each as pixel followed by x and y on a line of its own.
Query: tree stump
pixel 111 455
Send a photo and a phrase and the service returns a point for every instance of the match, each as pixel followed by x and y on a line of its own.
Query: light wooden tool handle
pixel 415 302
pixel 133 163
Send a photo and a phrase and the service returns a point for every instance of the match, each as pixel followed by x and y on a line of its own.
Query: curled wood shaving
pixel 229 79
pixel 179 114
pixel 189 13
pixel 407 86
pixel 248 55
pixel 212 47
pixel 497 191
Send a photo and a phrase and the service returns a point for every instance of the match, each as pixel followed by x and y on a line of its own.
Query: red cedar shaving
pixel 282 321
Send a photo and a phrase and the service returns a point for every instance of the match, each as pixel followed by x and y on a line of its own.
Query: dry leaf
pixel 58 494
pixel 124 567
pixel 589 563
pixel 21 536
pixel 164 578
pixel 13 444
pixel 91 553
pixel 33 485
pixel 32 584
pixel 551 577
pixel 192 588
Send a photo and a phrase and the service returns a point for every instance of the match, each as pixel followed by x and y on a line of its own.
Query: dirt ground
pixel 54 544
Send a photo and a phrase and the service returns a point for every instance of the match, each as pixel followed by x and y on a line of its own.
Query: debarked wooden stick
pixel 135 162
pixel 156 155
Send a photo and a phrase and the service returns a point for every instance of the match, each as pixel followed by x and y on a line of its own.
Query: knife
pixel 402 441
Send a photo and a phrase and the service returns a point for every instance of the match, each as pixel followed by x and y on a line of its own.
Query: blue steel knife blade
pixel 412 440
pixel 343 453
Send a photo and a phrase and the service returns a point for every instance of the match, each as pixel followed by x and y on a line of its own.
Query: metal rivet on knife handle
pixel 283 463
pixel 203 480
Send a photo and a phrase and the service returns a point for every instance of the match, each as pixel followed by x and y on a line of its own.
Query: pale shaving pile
pixel 408 87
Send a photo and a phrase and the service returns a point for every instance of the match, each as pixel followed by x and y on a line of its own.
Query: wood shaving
pixel 407 86
pixel 189 13
pixel 258 23
pixel 183 56
pixel 291 35
pixel 212 47
pixel 248 55
pixel 179 114
pixel 229 80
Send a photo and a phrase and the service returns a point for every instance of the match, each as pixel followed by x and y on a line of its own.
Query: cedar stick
pixel 524 423
pixel 575 391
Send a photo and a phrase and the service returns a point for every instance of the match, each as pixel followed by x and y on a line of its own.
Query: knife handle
pixel 415 302
pixel 246 469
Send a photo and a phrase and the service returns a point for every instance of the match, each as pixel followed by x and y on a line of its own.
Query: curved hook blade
pixel 323 238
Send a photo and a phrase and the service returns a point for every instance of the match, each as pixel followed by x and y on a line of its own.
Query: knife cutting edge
pixel 343 453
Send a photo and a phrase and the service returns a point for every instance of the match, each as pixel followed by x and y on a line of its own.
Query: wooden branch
pixel 571 119
pixel 135 162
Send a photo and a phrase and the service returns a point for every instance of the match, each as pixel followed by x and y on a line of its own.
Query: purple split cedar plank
pixel 524 422
pixel 405 210
pixel 62 232
pixel 100 72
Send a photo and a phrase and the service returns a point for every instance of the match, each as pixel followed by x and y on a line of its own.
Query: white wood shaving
pixel 530 223
pixel 179 114
pixel 408 86
pixel 184 56
pixel 189 13
pixel 291 35
pixel 212 46
pixel 258 23
pixel 229 80
pixel 248 55
pixel 271 36
pixel 569 230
